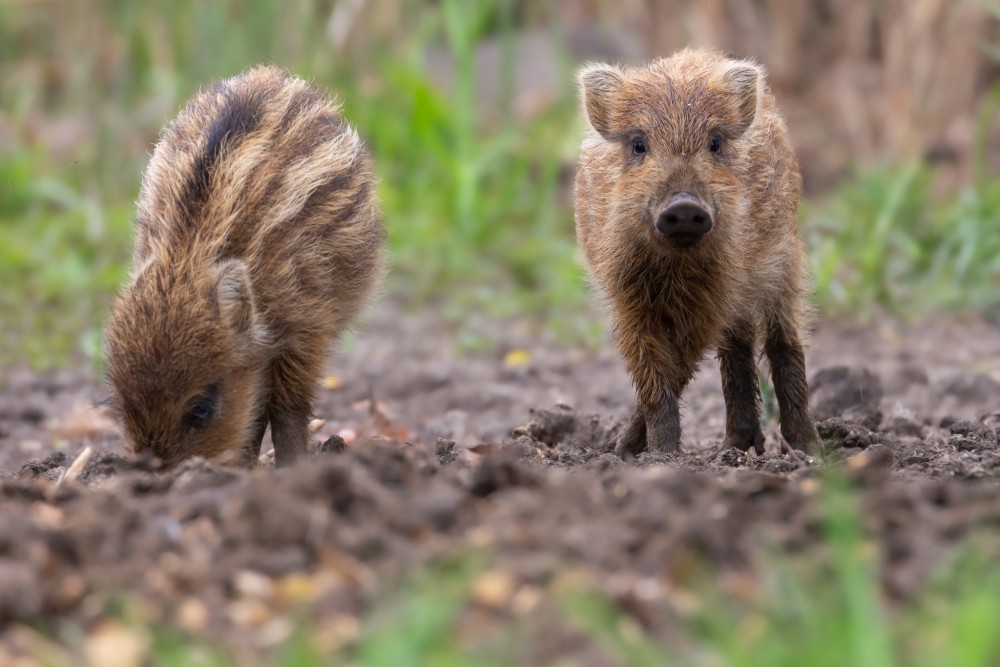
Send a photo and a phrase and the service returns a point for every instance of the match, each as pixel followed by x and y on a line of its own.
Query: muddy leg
pixel 659 430
pixel 290 407
pixel 740 388
pixel 788 371
pixel 252 449
pixel 632 440
pixel 659 374
pixel 663 424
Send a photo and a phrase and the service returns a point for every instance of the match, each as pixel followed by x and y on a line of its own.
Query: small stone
pixel 253 584
pixel 248 612
pixel 335 444
pixel 273 632
pixel 445 451
pixel 810 486
pixel 192 616
pixel 493 588
pixel 114 645
pixel 732 458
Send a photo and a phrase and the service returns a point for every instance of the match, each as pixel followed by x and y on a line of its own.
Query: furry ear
pixel 234 297
pixel 743 79
pixel 598 86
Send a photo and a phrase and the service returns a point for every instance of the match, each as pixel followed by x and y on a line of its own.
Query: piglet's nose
pixel 683 221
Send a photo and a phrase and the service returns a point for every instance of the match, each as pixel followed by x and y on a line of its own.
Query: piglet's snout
pixel 684 221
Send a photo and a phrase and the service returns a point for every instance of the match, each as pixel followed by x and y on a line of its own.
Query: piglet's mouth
pixel 684 221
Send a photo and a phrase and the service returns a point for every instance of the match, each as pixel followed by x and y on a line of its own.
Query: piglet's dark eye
pixel 715 145
pixel 203 409
pixel 638 146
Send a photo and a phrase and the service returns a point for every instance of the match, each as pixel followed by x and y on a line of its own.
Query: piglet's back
pixel 262 168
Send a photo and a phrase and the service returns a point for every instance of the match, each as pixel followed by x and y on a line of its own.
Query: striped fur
pixel 747 278
pixel 258 238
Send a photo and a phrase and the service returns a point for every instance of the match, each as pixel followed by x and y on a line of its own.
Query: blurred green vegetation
pixel 478 202
pixel 884 240
pixel 477 212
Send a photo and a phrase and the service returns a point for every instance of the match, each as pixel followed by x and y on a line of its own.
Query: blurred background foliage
pixel 470 109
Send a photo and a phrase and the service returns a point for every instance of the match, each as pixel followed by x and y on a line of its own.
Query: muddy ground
pixel 507 452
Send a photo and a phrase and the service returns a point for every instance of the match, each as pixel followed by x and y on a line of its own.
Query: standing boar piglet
pixel 686 200
pixel 258 238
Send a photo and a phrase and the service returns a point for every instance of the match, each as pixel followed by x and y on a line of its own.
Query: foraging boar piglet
pixel 258 237
pixel 686 200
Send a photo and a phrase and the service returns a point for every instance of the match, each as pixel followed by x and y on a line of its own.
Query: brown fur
pixel 746 278
pixel 258 238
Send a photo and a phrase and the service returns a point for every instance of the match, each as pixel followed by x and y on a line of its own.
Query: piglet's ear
pixel 599 84
pixel 743 79
pixel 235 298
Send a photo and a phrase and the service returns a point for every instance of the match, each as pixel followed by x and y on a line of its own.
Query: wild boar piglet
pixel 685 203
pixel 258 238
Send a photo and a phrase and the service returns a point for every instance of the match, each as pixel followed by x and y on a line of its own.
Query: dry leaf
pixel 192 615
pixel 114 645
pixel 858 461
pixel 274 632
pixel 48 516
pixel 485 448
pixel 381 415
pixel 493 588
pixel 516 358
pixel 253 584
pixel 248 612
pixel 337 632
pixel 809 486
pixel 396 433
pixel 298 587
pixel 332 382
pixel 347 568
